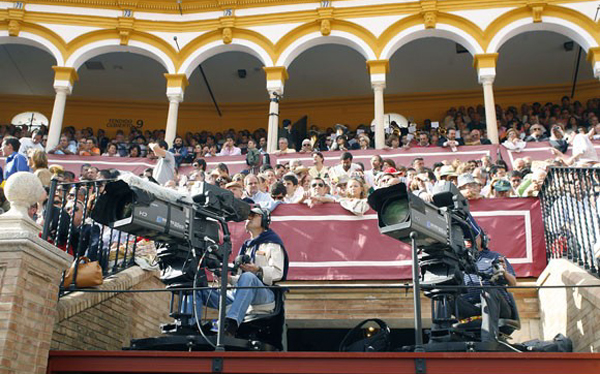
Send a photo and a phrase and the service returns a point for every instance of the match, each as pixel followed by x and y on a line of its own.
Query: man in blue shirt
pixel 14 161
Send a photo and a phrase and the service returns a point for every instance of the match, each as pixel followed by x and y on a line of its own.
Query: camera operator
pixel 262 261
pixel 495 303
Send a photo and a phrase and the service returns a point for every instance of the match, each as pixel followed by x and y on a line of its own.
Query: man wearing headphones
pixel 266 263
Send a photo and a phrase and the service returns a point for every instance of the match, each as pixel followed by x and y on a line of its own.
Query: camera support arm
pixel 226 251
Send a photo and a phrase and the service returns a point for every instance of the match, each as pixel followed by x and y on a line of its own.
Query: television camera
pixel 192 235
pixel 444 233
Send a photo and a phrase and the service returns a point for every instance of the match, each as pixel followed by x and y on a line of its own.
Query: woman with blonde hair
pixel 356 197
pixel 38 162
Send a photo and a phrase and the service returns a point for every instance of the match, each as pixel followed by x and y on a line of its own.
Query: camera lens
pixel 395 211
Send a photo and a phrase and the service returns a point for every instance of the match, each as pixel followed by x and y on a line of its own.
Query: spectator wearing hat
pixel 469 186
pixel 537 134
pixel 306 146
pixel 318 170
pixel 388 177
pixel 513 142
pixel 447 173
pixel 500 188
pixel 236 188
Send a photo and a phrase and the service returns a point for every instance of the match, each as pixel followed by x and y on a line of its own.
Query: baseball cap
pixel 257 210
pixel 502 185
pixel 465 179
pixel 447 170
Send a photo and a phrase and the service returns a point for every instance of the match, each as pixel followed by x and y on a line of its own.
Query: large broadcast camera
pixel 192 235
pixel 443 232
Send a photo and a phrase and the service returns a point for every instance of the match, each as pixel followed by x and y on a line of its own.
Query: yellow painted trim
pixel 177 81
pixel 549 11
pixel 98 35
pixel 315 26
pixel 62 73
pixel 378 66
pixel 210 37
pixel 593 55
pixel 485 60
pixel 43 32
pixel 276 73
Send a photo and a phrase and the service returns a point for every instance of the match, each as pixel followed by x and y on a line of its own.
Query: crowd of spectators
pixel 565 125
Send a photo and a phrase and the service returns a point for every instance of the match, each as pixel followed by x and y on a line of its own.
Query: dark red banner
pixel 329 243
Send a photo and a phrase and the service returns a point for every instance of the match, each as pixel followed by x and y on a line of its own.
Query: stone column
pixel 486 72
pixel 276 77
pixel 30 273
pixel 593 57
pixel 64 78
pixel 378 70
pixel 176 84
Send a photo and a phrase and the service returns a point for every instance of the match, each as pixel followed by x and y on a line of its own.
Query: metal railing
pixel 570 201
pixel 68 225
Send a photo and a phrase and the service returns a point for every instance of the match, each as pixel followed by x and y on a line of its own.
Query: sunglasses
pixel 317 185
pixel 278 197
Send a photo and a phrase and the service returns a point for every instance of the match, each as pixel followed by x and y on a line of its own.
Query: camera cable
pixel 194 303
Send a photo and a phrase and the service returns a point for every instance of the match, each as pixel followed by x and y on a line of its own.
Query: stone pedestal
pixel 30 273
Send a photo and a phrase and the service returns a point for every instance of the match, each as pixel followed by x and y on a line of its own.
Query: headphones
pixel 265 218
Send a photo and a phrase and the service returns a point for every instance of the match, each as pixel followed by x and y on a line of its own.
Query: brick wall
pixel 573 312
pixel 108 321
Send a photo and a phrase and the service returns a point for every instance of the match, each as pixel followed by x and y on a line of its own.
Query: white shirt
pixel 338 170
pixel 582 145
pixel 27 144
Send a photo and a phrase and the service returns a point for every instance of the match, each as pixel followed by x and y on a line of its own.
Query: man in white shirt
pixel 346 167
pixel 165 167
pixel 294 192
pixel 35 142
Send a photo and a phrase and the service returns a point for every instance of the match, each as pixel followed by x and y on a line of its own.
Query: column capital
pixel 276 77
pixel 64 78
pixel 593 56
pixel 377 70
pixel 377 85
pixel 485 63
pixel 176 84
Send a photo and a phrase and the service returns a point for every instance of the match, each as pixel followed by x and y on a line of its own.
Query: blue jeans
pixel 239 299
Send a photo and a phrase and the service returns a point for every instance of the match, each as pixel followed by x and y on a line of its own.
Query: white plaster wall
pixel 276 9
pixel 183 38
pixel 73 10
pixel 587 8
pixel 354 3
pixel 149 16
pixel 377 25
pixel 482 17
pixel 275 32
pixel 67 32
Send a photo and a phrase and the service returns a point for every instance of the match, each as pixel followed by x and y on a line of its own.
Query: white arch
pixel 316 38
pixel 33 40
pixel 101 47
pixel 441 30
pixel 554 24
pixel 214 48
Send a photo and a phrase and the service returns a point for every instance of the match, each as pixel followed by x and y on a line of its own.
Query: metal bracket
pixel 420 367
pixel 217 365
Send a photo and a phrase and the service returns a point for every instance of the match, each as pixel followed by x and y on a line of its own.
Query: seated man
pixel 268 264
pixel 491 303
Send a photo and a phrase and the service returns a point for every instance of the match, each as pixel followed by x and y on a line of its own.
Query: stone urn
pixel 22 190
